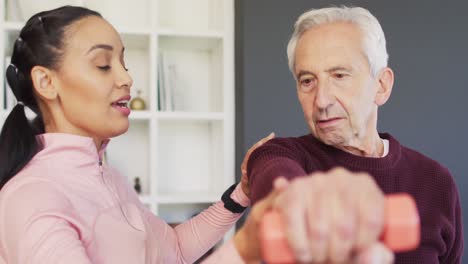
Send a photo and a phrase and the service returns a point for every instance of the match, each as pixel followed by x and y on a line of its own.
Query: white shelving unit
pixel 185 157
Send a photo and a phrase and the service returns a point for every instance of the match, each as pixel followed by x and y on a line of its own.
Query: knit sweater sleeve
pixel 277 157
pixel 439 208
pixel 453 229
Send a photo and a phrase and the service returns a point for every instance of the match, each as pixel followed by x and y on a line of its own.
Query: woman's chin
pixel 119 128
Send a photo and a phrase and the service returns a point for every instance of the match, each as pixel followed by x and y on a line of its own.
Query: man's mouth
pixel 328 120
pixel 324 123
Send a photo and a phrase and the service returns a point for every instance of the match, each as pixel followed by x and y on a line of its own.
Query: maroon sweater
pixel 402 170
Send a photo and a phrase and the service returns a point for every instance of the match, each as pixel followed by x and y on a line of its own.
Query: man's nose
pixel 324 97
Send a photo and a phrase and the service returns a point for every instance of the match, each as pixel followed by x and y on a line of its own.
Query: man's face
pixel 335 85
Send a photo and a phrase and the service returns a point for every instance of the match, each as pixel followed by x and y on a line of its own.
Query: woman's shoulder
pixel 30 192
pixel 22 200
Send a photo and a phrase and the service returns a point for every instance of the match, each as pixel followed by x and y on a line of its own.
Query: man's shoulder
pixel 299 149
pixel 422 161
pixel 428 170
pixel 290 143
pixel 413 157
pixel 290 147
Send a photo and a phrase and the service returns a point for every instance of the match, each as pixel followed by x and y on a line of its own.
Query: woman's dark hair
pixel 40 42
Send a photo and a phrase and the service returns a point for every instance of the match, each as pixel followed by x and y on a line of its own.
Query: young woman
pixel 58 202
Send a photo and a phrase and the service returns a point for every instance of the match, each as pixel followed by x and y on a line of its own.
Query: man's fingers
pixel 280 183
pixel 292 207
pixel 375 253
pixel 371 211
pixel 318 219
pixel 343 215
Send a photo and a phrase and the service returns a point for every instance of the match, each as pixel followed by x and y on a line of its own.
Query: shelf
pixel 122 29
pixel 196 34
pixel 123 13
pixel 3 116
pixel 190 42
pixel 140 115
pixel 130 155
pixel 207 116
pixel 193 68
pixel 10 37
pixel 188 198
pixel 136 41
pixel 137 60
pixel 146 199
pixel 177 213
pixel 22 10
pixel 13 26
pixel 134 31
pixel 179 14
pixel 190 157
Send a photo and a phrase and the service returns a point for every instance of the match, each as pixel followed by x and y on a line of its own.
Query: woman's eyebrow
pixel 100 46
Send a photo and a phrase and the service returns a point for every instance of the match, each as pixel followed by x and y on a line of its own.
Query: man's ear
pixel 42 82
pixel 385 84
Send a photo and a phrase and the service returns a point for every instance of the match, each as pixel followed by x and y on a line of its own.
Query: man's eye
pixel 306 84
pixel 340 75
pixel 104 68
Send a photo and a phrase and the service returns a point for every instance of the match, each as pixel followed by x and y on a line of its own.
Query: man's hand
pixel 334 217
pixel 246 240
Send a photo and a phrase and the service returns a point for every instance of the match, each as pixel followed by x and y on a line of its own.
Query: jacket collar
pixel 70 147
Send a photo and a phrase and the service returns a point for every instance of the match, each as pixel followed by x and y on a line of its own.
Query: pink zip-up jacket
pixel 65 206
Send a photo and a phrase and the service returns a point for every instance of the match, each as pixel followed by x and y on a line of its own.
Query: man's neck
pixel 370 146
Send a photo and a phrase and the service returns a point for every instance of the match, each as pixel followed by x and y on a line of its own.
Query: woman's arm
pixel 188 241
pixel 245 246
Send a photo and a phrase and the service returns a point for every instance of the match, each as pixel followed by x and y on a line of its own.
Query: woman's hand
pixel 245 177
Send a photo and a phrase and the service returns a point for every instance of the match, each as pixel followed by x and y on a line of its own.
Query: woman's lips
pixel 122 107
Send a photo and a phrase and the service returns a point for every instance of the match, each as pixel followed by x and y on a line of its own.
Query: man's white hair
pixel 374 46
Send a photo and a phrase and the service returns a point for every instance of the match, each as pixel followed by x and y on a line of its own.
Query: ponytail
pixel 18 144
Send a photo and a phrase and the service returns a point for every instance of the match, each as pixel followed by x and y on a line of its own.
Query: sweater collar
pixel 355 161
pixel 70 147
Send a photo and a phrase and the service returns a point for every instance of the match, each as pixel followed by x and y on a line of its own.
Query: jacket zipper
pixel 116 197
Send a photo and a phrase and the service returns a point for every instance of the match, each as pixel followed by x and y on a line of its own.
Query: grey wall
pixel 428 46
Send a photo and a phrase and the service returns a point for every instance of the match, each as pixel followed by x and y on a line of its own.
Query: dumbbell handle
pixel 401 230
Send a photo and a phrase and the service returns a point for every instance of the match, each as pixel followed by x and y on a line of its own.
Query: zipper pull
pixel 101 169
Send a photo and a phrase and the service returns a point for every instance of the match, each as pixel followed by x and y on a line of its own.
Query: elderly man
pixel 339 60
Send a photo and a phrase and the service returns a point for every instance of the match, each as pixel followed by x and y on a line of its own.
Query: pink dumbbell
pixel 401 230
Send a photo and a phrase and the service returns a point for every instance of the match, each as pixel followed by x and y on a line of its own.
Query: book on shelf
pixel 161 84
pixel 169 90
pixel 167 81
